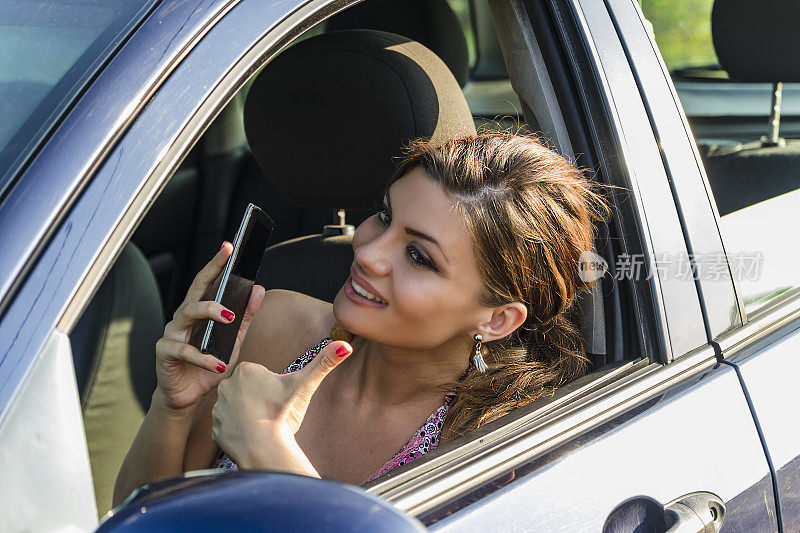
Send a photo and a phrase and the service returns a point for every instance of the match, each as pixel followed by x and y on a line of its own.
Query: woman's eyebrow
pixel 426 237
pixel 416 233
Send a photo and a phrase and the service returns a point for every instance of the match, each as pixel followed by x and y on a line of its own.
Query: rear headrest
pixel 756 40
pixel 327 117
pixel 432 23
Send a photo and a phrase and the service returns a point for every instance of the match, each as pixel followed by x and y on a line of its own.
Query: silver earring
pixel 477 359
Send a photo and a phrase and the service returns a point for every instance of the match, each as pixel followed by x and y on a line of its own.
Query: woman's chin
pixel 341 310
pixel 338 301
pixel 348 314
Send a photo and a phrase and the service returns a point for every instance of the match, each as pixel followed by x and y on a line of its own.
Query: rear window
pixel 48 50
pixel 755 183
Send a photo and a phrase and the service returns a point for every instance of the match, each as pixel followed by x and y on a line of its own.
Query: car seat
pixel 113 349
pixel 432 23
pixel 753 41
pixel 364 94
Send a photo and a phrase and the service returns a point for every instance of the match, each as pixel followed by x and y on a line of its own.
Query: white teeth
pixel 366 294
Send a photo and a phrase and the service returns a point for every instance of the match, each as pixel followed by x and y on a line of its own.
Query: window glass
pixel 462 10
pixel 756 185
pixel 47 50
pixel 683 31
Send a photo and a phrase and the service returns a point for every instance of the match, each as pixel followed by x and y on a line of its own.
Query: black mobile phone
pixel 233 286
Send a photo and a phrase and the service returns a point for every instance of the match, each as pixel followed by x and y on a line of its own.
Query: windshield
pixel 48 50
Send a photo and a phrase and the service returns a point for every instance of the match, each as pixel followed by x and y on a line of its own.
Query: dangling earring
pixel 477 359
pixel 338 333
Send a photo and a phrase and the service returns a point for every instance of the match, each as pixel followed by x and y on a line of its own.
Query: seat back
pixel 751 40
pixel 432 23
pixel 381 90
pixel 113 346
pixel 750 173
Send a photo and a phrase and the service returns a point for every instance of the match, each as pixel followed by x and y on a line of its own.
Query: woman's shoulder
pixel 286 325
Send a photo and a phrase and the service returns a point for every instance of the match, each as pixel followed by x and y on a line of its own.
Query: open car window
pixel 219 169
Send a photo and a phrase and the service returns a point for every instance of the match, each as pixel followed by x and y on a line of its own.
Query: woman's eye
pixel 417 257
pixel 384 217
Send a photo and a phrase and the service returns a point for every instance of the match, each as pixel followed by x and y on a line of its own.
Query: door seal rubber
pixel 773 474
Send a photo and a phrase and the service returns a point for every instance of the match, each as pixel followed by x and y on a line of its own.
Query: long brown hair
pixel 530 214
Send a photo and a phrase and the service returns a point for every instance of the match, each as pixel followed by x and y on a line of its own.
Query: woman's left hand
pixel 258 412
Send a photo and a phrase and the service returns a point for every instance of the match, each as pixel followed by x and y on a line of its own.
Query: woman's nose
pixel 373 257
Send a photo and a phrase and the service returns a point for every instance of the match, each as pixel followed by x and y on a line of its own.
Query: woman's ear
pixel 505 320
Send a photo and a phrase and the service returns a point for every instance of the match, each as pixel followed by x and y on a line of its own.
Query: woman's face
pixel 414 282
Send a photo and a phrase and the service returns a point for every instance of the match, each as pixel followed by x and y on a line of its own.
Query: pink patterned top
pixel 423 441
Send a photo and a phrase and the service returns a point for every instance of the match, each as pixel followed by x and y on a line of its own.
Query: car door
pixel 676 430
pixel 765 351
pixel 77 203
pixel 763 280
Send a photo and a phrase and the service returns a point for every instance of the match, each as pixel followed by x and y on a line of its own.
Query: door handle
pixel 698 512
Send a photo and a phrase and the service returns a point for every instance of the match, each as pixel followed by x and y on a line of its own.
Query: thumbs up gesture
pixel 258 412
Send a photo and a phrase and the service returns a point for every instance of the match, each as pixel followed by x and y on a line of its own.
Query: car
pixel 124 163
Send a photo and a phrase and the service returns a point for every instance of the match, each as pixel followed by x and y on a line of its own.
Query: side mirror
pixel 254 501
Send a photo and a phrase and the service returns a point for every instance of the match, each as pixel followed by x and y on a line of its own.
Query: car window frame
pixel 722 310
pixel 630 157
pixel 578 409
pixel 732 337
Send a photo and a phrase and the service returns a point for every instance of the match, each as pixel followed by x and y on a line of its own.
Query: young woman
pixel 456 312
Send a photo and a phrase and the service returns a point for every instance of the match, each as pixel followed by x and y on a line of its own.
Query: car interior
pixel 744 113
pixel 311 141
pixel 746 154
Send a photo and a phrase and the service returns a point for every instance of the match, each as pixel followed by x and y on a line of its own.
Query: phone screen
pixel 236 282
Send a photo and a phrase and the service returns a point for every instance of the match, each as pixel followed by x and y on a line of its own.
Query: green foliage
pixel 683 31
pixel 462 11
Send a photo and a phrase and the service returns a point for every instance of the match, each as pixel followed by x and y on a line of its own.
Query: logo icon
pixel 591 266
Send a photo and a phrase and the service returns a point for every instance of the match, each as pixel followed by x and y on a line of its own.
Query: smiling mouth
pixel 361 291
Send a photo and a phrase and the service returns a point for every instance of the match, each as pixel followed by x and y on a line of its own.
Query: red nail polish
pixel 343 350
pixel 227 315
pixel 221 368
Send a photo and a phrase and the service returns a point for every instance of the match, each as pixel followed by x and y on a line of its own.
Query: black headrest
pixel 432 23
pixel 756 40
pixel 326 119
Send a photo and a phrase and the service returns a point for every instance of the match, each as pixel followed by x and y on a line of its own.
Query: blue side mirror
pixel 255 501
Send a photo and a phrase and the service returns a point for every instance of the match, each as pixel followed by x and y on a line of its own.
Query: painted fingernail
pixel 221 368
pixel 223 245
pixel 343 350
pixel 227 315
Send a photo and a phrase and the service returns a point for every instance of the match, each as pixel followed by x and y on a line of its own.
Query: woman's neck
pixel 391 376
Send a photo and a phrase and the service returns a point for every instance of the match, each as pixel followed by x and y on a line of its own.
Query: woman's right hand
pixel 185 375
